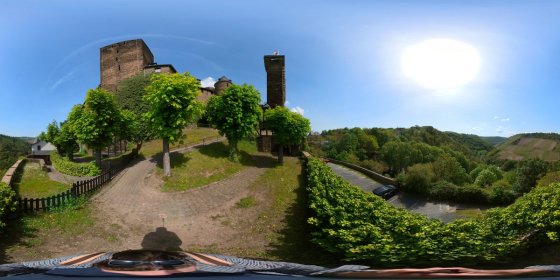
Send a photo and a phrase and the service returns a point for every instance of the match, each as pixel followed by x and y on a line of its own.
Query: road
pixel 443 211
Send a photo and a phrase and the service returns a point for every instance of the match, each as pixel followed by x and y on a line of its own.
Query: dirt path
pixel 134 203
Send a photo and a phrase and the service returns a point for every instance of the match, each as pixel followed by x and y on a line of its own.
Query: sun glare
pixel 441 63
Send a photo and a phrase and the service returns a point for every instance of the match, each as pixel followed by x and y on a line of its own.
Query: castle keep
pixel 275 80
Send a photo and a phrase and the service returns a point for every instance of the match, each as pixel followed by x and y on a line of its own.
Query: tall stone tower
pixel 275 80
pixel 123 60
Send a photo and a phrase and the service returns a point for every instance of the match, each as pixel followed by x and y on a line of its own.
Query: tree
pixel 62 137
pixel 527 174
pixel 289 128
pixel 130 96
pixel 236 114
pixel 449 169
pixel 173 104
pixel 95 123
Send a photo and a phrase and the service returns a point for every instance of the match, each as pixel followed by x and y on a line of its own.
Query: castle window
pixel 116 59
pixel 119 67
pixel 38 147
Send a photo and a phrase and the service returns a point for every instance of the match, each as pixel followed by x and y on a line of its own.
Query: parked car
pixel 386 191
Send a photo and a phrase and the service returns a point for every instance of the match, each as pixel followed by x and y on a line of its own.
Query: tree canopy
pixel 236 114
pixel 96 121
pixel 289 128
pixel 130 98
pixel 173 104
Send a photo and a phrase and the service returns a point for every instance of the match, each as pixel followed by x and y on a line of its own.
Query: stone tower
pixel 123 60
pixel 221 84
pixel 275 80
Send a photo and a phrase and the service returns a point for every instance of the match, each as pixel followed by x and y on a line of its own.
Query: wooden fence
pixel 79 188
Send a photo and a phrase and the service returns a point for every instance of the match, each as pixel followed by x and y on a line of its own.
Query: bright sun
pixel 440 63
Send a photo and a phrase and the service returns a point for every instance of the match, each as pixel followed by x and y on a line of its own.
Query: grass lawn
pixel 32 182
pixel 282 218
pixel 203 166
pixel 192 136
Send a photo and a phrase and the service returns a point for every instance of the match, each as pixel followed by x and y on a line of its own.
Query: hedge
pixel 63 165
pixel 361 226
pixel 7 203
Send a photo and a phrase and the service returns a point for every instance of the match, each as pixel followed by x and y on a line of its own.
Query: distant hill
pixel 494 140
pixel 545 146
pixel 10 149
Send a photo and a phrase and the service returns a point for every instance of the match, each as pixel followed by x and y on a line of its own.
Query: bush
pixel 65 166
pixel 7 203
pixel 419 178
pixel 361 226
pixel 500 195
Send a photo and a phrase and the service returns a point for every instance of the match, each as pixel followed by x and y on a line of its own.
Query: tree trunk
pixel 166 160
pixel 281 154
pixel 98 158
pixel 138 146
pixel 233 153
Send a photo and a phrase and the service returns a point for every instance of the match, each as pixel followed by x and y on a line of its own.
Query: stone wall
pixel 123 60
pixel 9 176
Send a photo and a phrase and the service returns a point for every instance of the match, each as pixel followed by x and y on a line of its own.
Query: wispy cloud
pixel 502 119
pixel 298 110
pixel 208 82
pixel 286 103
pixel 62 80
pixel 504 130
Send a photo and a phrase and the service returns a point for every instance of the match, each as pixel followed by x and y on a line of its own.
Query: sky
pixel 343 58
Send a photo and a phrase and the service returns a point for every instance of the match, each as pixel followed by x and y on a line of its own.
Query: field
pixel 520 148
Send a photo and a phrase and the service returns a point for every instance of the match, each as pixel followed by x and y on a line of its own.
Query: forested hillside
pixel 440 165
pixel 10 149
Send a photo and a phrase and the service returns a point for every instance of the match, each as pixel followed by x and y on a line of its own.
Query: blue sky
pixel 343 58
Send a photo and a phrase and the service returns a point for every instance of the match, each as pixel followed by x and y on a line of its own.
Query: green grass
pixel 32 182
pixel 469 213
pixel 31 231
pixel 203 166
pixel 246 202
pixel 192 136
pixel 284 222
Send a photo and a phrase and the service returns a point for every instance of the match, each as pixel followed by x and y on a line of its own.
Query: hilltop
pixel 545 146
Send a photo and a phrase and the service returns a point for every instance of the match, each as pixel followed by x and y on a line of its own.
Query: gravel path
pixel 134 202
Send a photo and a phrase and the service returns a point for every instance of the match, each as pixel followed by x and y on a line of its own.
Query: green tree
pixel 173 104
pixel 62 138
pixel 236 113
pixel 447 168
pixel 527 174
pixel 485 177
pixel 97 121
pixel 289 128
pixel 419 178
pixel 130 96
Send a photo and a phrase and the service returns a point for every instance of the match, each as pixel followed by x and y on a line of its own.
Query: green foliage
pixel 290 128
pixel 62 137
pixel 96 123
pixel 130 97
pixel 485 177
pixel 361 226
pixel 246 202
pixel 527 174
pixel 236 114
pixel 549 178
pixel 172 104
pixel 7 203
pixel 447 168
pixel 66 166
pixel 444 190
pixel 419 178
pixel 11 148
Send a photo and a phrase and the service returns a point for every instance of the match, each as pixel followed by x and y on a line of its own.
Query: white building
pixel 40 147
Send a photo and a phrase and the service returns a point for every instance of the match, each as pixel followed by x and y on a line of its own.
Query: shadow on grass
pixel 178 159
pixel 221 150
pixel 295 242
pixel 16 233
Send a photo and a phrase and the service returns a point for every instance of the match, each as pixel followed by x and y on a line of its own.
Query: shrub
pixel 500 195
pixel 361 226
pixel 419 178
pixel 65 166
pixel 7 203
pixel 485 178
